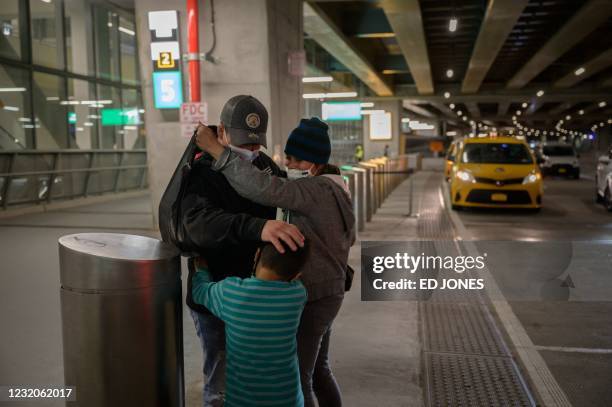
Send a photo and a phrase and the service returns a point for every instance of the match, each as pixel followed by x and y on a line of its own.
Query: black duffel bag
pixel 170 214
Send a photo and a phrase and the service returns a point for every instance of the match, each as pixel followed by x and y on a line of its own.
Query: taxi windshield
pixel 564 151
pixel 496 153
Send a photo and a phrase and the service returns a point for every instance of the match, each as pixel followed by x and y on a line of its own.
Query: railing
pixel 39 176
pixel 371 182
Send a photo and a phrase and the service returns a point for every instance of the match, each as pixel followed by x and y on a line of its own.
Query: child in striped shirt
pixel 261 316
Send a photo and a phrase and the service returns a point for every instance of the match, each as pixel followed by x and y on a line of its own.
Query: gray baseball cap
pixel 246 118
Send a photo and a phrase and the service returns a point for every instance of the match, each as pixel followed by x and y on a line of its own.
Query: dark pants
pixel 318 382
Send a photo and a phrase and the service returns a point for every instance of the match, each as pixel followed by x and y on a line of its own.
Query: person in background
pixel 319 204
pixel 359 153
pixel 261 315
pixel 386 152
pixel 228 229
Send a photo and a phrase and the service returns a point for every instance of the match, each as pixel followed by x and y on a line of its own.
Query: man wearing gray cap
pixel 228 229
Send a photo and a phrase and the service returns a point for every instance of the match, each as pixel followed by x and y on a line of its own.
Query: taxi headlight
pixel 531 178
pixel 465 176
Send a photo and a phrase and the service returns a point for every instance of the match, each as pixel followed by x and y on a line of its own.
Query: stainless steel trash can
pixel 121 320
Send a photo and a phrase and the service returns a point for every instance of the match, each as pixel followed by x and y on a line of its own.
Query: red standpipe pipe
pixel 193 49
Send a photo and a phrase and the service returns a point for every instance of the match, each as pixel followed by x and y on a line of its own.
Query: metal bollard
pixel 361 196
pixel 373 187
pixel 351 180
pixel 121 320
pixel 369 192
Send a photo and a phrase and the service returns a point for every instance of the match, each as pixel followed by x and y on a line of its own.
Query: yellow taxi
pixel 495 172
pixel 449 160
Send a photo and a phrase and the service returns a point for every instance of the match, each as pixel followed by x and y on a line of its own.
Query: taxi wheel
pixel 608 200
pixel 598 198
pixel 456 207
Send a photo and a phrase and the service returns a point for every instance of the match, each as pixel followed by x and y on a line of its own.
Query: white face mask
pixel 244 153
pixel 295 173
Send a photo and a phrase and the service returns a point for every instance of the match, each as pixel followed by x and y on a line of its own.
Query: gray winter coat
pixel 319 206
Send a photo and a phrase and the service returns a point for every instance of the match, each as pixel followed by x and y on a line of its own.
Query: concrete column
pixel 376 148
pixel 253 41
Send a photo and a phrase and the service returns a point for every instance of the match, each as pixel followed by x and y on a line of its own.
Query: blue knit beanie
pixel 309 141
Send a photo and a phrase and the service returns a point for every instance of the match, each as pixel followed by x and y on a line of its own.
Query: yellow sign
pixel 165 60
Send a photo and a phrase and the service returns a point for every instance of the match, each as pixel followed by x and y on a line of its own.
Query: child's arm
pixel 207 292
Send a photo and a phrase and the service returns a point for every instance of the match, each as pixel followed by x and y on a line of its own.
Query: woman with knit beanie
pixel 316 200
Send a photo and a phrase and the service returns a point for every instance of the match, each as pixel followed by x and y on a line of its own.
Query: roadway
pixel 557 281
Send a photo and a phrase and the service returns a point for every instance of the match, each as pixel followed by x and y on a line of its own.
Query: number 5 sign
pixel 167 89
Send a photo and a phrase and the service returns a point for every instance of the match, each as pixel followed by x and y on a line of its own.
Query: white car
pixel 559 159
pixel 603 180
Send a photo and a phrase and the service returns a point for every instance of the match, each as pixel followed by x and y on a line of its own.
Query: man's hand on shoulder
pixel 275 230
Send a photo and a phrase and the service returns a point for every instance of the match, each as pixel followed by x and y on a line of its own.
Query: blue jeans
pixel 211 332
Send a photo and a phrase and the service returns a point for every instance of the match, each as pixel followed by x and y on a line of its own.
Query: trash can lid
pixel 100 261
pixel 118 246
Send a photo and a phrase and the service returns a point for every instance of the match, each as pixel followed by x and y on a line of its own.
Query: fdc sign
pixel 191 114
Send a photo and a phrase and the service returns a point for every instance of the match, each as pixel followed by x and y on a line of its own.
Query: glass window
pixel 496 153
pixel 133 131
pixel 79 37
pixel 10 45
pixel 51 112
pixel 129 55
pixel 46 30
pixel 106 38
pixel 562 151
pixel 15 118
pixel 84 116
pixel 110 123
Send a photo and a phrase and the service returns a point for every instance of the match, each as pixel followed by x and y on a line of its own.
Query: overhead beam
pixel 534 106
pixel 597 64
pixel 444 109
pixel 499 19
pixel 472 107
pixel 502 108
pixel 447 112
pixel 561 108
pixel 324 87
pixel 543 116
pixel 407 23
pixel 418 110
pixel 321 29
pixel 496 94
pixel 588 18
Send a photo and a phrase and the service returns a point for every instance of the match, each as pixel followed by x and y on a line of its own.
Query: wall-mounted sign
pixel 167 89
pixel 190 115
pixel 341 111
pixel 165 60
pixel 380 126
pixel 165 57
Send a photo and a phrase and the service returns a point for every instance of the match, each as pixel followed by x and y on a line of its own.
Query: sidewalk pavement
pixel 375 346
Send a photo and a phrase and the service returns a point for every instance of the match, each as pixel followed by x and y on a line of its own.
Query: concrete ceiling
pixel 591 67
pixel 587 19
pixel 502 53
pixel 320 28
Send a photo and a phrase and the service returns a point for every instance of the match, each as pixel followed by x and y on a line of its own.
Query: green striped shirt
pixel 261 321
